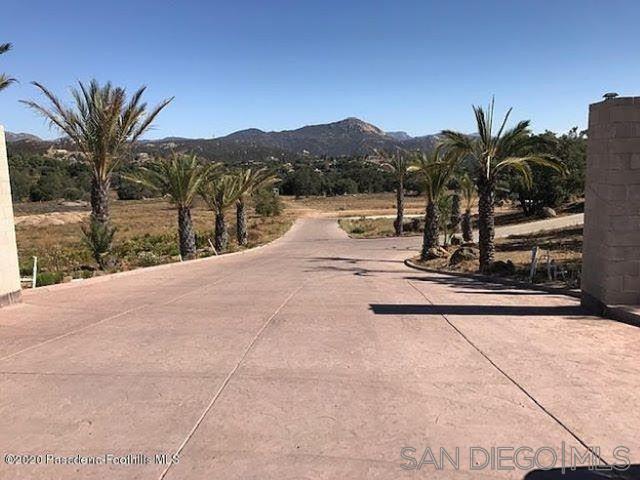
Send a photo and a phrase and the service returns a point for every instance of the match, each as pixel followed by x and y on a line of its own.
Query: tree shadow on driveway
pixel 480 310
pixel 481 286
pixel 351 264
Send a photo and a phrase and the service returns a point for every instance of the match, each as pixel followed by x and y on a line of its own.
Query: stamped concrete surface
pixel 316 357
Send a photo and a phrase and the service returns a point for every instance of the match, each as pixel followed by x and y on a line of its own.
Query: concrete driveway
pixel 316 357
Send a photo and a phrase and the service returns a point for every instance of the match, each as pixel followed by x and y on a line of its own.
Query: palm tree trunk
pixel 467 229
pixel 455 213
pixel 430 237
pixel 186 233
pixel 221 234
pixel 486 226
pixel 241 222
pixel 100 200
pixel 398 224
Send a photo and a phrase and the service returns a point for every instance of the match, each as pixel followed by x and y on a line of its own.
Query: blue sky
pixel 402 65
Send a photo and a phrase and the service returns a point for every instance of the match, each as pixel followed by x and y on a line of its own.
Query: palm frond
pixel 5 81
pixel 219 191
pixel 101 121
pixel 435 169
pixel 467 189
pixel 522 165
pixel 179 177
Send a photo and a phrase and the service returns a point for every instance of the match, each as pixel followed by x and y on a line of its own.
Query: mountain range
pixel 347 137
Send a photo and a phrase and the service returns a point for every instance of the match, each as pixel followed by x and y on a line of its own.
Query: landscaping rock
pixel 437 252
pixel 414 225
pixel 73 203
pixel 548 212
pixel 462 254
pixel 502 269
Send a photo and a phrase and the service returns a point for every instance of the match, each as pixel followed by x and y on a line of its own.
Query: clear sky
pixel 273 64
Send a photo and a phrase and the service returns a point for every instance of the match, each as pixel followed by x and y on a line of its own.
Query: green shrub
pixel 98 237
pixel 268 204
pixel 48 278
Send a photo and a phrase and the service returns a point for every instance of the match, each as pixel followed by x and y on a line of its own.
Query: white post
pixel 34 278
pixel 534 263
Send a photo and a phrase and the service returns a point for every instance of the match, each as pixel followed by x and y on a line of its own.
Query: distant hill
pixel 347 137
pixel 16 137
pixel 399 135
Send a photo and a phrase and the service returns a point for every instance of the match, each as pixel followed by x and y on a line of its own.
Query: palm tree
pixel 219 193
pixel 492 155
pixel 5 80
pixel 179 178
pixel 435 169
pixel 103 124
pixel 398 164
pixel 249 182
pixel 454 218
pixel 468 190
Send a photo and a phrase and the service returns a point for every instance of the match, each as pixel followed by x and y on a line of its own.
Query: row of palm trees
pixel 487 156
pixel 103 123
pixel 181 178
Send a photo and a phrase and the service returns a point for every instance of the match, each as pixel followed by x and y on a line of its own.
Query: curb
pixel 501 281
pixel 114 276
pixel 617 313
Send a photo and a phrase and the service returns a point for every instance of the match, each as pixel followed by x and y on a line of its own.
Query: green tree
pixel 398 165
pixel 179 178
pixel 103 124
pixel 267 203
pixel 5 80
pixel 548 187
pixel 491 154
pixel 435 170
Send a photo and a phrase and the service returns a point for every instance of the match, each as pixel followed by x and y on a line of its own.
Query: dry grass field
pixel 355 205
pixel 146 235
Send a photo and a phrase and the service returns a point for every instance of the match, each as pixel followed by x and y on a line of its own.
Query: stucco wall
pixel 611 253
pixel 9 273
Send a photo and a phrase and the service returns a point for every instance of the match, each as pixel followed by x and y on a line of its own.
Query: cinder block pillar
pixel 9 272
pixel 611 251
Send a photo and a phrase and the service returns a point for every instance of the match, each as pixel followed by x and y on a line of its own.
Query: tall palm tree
pixel 178 177
pixel 435 169
pixel 249 182
pixel 398 164
pixel 5 80
pixel 219 193
pixel 467 190
pixel 491 156
pixel 102 123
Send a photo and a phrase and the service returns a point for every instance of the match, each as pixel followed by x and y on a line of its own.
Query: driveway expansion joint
pixel 229 376
pixel 595 453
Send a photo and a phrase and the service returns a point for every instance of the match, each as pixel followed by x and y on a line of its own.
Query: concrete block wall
pixel 611 251
pixel 9 272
